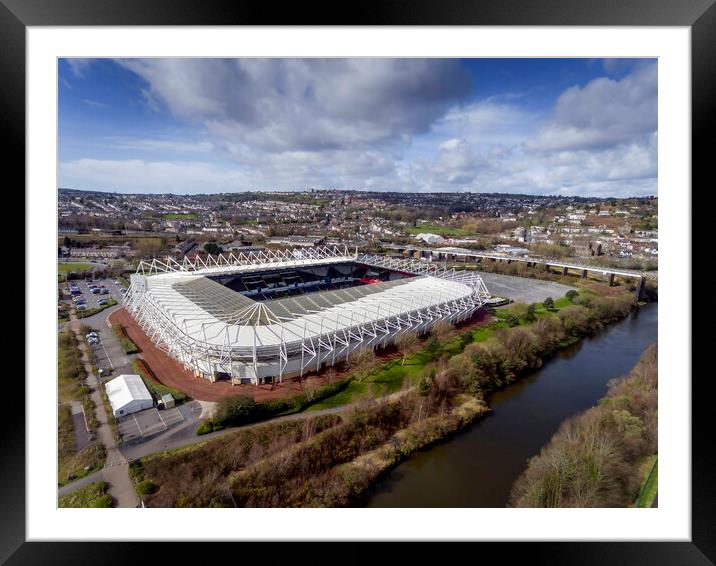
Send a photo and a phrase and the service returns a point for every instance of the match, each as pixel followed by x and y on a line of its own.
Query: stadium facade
pixel 260 317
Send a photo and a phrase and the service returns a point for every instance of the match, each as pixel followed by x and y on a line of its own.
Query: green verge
pixel 648 490
pixel 127 345
pixel 435 229
pixel 84 313
pixel 65 268
pixel 389 377
pixel 92 495
pixel 158 389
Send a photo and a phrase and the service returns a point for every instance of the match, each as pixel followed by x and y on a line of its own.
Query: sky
pixel 571 127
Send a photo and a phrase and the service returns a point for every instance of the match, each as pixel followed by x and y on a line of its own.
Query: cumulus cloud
pixel 381 124
pixel 602 114
pixel 279 105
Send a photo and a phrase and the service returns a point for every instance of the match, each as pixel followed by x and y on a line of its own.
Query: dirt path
pixel 116 468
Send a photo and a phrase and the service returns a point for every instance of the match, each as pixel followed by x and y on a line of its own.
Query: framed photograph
pixel 293 278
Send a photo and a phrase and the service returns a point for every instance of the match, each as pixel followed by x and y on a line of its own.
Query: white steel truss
pixel 256 344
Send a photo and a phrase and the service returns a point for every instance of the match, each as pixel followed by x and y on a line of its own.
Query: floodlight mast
pixel 255 344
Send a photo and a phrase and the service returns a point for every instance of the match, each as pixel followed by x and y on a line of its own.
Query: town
pixel 611 232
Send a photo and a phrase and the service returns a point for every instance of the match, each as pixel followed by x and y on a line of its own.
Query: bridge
pixel 583 269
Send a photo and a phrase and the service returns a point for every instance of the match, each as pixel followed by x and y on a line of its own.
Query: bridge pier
pixel 564 270
pixel 584 273
pixel 639 287
pixel 611 279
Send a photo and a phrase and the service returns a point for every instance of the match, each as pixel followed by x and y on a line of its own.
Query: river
pixel 477 466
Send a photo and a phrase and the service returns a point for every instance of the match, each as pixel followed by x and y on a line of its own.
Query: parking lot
pixel 107 351
pixel 521 288
pixel 114 291
pixel 139 426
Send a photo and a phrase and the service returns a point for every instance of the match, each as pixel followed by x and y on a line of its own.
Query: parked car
pixel 81 306
pixel 92 334
pixel 95 290
pixel 105 292
pixel 102 302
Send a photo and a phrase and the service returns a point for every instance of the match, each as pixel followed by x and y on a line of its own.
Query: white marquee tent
pixel 128 394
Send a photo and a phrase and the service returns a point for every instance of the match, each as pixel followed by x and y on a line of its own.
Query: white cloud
pixel 384 125
pixel 79 66
pixel 94 103
pixel 277 105
pixel 602 114
pixel 163 145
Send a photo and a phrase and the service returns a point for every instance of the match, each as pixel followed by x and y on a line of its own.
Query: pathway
pixel 116 468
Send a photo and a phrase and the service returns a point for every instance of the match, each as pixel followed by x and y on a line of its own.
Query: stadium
pixel 262 317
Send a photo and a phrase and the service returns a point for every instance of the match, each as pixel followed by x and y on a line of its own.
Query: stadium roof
pixel 208 310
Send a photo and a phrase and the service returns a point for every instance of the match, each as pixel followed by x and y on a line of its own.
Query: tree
pixel 212 248
pixel 236 410
pixel 360 360
pixel 432 345
pixel 466 338
pixel 531 314
pixel 426 383
pixel 441 328
pixel 405 342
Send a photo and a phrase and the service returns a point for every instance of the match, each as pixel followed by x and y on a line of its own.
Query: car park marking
pixel 137 423
pixel 161 419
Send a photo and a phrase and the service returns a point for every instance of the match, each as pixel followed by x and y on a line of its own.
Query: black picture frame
pixel 699 15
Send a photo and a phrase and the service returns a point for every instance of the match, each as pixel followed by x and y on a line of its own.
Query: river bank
pixel 319 468
pixel 478 465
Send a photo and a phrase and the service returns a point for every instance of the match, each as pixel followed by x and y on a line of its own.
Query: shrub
pixel 548 303
pixel 432 345
pixel 531 314
pixel 146 487
pixel 466 338
pixel 207 426
pixel 571 295
pixel 236 410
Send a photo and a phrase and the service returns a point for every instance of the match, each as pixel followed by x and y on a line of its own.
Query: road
pixel 185 435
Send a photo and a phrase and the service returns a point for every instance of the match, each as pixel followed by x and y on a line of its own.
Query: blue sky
pixel 583 127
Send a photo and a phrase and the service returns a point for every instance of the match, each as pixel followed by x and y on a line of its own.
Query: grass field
pixel 389 377
pixel 435 229
pixel 175 216
pixel 75 267
pixel 92 495
pixel 648 490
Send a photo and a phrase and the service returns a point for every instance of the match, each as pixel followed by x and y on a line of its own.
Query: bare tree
pixel 441 328
pixel 361 360
pixel 406 342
